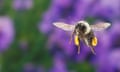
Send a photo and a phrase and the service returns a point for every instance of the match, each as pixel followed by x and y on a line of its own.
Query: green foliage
pixel 26 28
pixel 80 67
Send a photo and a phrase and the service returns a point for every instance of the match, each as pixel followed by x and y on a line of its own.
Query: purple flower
pixel 61 43
pixel 102 52
pixel 69 12
pixel 106 10
pixel 22 4
pixel 6 32
pixel 106 49
pixel 114 58
pixel 59 64
pixel 113 4
pixel 72 11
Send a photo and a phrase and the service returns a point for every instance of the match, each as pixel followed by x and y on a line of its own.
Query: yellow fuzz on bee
pixel 94 41
pixel 76 40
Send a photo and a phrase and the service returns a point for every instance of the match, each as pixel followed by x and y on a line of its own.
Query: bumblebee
pixel 82 31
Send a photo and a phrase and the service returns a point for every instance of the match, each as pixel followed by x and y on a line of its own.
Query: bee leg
pixel 91 47
pixel 77 42
pixel 78 45
pixel 78 49
pixel 71 37
pixel 86 42
pixel 93 50
pixel 93 43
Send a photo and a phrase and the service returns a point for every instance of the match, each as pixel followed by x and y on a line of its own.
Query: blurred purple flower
pixel 72 11
pixel 102 52
pixel 69 12
pixel 114 35
pixel 108 43
pixel 6 32
pixel 59 64
pixel 114 58
pixel 106 10
pixel 63 42
pixel 113 4
pixel 22 4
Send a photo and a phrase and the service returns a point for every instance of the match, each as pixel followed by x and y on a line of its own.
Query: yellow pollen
pixel 76 40
pixel 94 41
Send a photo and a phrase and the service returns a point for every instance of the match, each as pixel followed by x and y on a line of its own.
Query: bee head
pixel 83 26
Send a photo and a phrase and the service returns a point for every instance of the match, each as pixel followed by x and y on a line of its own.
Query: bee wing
pixel 100 26
pixel 64 26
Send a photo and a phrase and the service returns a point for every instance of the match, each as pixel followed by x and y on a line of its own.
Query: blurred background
pixel 30 43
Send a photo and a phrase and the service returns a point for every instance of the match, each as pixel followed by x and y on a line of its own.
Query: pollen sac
pixel 94 41
pixel 76 40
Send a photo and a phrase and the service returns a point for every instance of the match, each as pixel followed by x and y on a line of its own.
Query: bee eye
pixel 77 26
pixel 82 27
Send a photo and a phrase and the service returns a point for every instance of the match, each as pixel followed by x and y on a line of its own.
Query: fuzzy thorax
pixel 88 29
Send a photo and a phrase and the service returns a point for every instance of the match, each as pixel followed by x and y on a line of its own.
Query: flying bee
pixel 82 31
